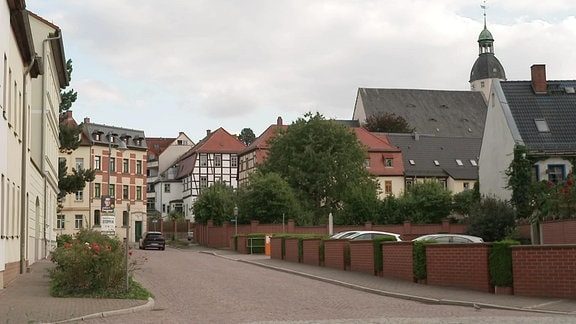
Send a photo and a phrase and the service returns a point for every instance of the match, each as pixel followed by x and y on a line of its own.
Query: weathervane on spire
pixel 483 6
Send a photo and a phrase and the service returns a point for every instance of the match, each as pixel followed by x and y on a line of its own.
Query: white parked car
pixel 450 238
pixel 370 235
pixel 342 234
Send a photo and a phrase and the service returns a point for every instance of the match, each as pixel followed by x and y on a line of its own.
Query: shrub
pixel 419 253
pixel 90 264
pixel 501 263
pixel 63 238
pixel 378 266
pixel 491 219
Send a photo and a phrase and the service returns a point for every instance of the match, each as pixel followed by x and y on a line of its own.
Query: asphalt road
pixel 193 287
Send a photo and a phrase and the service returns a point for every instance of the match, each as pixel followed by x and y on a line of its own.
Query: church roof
pixel 487 66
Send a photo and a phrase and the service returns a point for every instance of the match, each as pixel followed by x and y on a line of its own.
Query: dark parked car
pixel 152 240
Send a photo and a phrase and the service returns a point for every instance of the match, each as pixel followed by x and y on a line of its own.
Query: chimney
pixel 207 132
pixel 86 120
pixel 279 121
pixel 539 84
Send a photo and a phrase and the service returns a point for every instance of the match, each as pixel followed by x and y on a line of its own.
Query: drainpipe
pixel 43 141
pixel 24 172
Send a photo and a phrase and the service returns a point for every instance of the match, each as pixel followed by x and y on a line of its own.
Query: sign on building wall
pixel 108 219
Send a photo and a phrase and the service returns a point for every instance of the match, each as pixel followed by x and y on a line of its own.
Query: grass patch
pixel 136 291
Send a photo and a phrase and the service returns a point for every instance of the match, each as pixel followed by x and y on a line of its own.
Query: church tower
pixel 487 67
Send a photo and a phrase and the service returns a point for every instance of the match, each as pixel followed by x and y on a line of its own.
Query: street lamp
pixel 236 219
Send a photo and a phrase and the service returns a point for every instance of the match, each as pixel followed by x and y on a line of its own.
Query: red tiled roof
pixel 157 145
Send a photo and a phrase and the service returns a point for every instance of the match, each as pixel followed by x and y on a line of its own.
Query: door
pixel 138 230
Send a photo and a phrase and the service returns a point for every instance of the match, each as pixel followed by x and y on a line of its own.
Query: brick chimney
pixel 539 84
pixel 86 120
pixel 207 132
pixel 279 121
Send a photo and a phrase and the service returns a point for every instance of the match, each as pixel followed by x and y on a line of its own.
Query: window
pixel 436 162
pixel 138 192
pixel 97 217
pixel 79 164
pixel 234 160
pixel 387 187
pixel 125 163
pixel 535 173
pixel 139 167
pixel 97 162
pixel 409 183
pixel 388 162
pixel 112 164
pixel 60 221
pixel 482 84
pixel 203 182
pixel 556 172
pixel 97 190
pixel 124 192
pixel 542 125
pixel 166 187
pixel 111 190
pixel 366 163
pixel 466 185
pixel 163 208
pixel 78 221
pixel 124 218
pixel 150 203
pixel 459 162
pixel 411 162
pixel 217 160
pixel 182 142
pixel 79 195
pixel 203 160
pixel 473 162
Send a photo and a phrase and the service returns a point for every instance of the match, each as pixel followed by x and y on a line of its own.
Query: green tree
pixel 215 203
pixel 491 219
pixel 386 122
pixel 358 207
pixel 389 211
pixel 69 141
pixel 463 201
pixel 426 202
pixel 267 198
pixel 519 174
pixel 247 136
pixel 322 161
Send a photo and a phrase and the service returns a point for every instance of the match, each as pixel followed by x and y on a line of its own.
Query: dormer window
pixel 412 162
pixel 473 162
pixel 459 162
pixel 436 162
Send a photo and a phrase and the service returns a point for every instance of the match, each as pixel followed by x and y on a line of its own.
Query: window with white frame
pixel 79 164
pixel 112 165
pixel 203 160
pixel 203 182
pixel 388 162
pixel 125 192
pixel 78 224
pixel 217 160
pixel 166 187
pixel 97 162
pixel 60 221
pixel 139 167
pixel 125 164
pixel 138 192
pixel 556 172
pixel 97 190
pixel 234 160
pixel 79 195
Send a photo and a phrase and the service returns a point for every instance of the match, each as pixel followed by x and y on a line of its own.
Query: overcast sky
pixel 191 65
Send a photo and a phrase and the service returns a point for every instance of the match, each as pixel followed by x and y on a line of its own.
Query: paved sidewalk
pixel 28 300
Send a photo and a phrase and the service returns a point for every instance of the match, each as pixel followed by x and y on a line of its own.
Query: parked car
pixel 370 235
pixel 152 240
pixel 450 238
pixel 342 234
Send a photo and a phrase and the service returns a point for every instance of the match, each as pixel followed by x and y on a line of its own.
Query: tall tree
pixel 269 199
pixel 385 122
pixel 322 161
pixel 69 141
pixel 247 136
pixel 215 203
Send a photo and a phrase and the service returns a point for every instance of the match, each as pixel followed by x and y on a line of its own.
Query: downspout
pixel 43 142
pixel 23 198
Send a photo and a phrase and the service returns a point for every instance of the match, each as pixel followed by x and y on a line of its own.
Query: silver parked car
pixel 370 235
pixel 450 238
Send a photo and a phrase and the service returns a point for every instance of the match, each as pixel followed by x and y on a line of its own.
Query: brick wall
pixel 398 260
pixel 276 248
pixel 559 232
pixel 459 265
pixel 334 253
pixel 362 256
pixel 541 270
pixel 291 249
pixel 311 251
pixel 242 244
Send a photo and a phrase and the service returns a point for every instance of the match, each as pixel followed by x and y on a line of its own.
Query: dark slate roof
pixel 487 66
pixel 424 149
pixel 557 107
pixel 435 112
pixel 130 136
